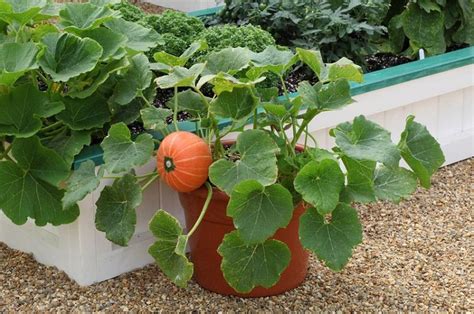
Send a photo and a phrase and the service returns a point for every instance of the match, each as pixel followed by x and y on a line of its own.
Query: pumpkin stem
pixel 169 164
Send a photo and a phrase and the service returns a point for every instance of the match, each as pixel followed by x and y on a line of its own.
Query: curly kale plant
pixel 178 29
pixel 227 36
pixel 129 11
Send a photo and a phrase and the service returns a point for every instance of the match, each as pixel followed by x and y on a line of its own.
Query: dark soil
pixel 381 61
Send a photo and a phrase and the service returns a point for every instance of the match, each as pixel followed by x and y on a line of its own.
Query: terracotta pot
pixel 207 238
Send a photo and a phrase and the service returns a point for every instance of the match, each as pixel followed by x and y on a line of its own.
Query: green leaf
pixel 190 102
pixel 396 34
pixel 66 56
pixel 420 150
pixel 15 60
pixel 345 69
pixel 258 211
pixel 394 184
pixel 171 60
pixel 425 30
pixel 95 78
pixel 137 78
pixel 257 161
pixel 366 140
pixel 168 251
pixel 78 17
pixel 248 266
pixel 228 60
pixel 82 182
pixel 181 77
pixel 121 153
pixel 224 82
pixel 139 38
pixel 360 179
pixel 155 118
pixel 28 187
pixel 22 110
pixel 332 96
pixel 320 184
pixel 314 60
pixel 85 114
pixel 332 241
pixel 69 145
pixel 116 209
pixel 20 11
pixel 271 59
pixel 237 104
pixel 110 41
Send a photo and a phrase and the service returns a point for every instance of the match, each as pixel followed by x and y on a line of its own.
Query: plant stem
pixel 204 209
pixel 147 184
pixel 5 153
pixel 145 100
pixel 51 126
pixel 303 125
pixel 175 111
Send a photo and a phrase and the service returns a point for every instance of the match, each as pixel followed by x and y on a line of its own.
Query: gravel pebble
pixel 416 256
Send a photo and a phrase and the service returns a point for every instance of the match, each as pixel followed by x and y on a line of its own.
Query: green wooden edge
pixel 206 12
pixel 372 81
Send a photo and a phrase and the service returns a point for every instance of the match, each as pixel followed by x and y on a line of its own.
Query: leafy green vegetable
pixel 80 183
pixel 116 206
pixel 332 241
pixel 246 266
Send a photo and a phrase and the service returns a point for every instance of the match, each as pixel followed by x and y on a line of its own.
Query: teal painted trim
pixel 413 70
pixel 206 12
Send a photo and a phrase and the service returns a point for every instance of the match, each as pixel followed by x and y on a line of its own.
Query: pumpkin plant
pixel 70 74
pixel 273 163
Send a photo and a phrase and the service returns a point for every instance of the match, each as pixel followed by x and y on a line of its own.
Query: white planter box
pixel 443 102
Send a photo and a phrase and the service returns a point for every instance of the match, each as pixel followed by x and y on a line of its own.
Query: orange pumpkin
pixel 183 161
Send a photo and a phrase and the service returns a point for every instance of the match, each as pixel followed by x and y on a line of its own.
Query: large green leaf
pixel 248 266
pixel 191 102
pixel 228 60
pixel 257 161
pixel 121 153
pixel 271 59
pixel 332 241
pixel 366 140
pixel 66 56
pixel 167 251
pixel 171 60
pixel 139 38
pixel 85 114
pixel 22 110
pixel 394 184
pixel 320 184
pixel 110 41
pixel 15 60
pixel 259 211
pixel 360 179
pixel 425 30
pixel 85 85
pixel 116 209
pixel 155 118
pixel 420 150
pixel 345 69
pixel 237 104
pixel 78 17
pixel 28 187
pixel 82 181
pixel 181 77
pixel 332 96
pixel 314 60
pixel 137 78
pixel 69 144
pixel 20 11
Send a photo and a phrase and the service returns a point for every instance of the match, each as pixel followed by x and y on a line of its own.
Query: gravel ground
pixel 416 256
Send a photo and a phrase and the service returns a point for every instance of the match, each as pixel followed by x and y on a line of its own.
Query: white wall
pixel 185 5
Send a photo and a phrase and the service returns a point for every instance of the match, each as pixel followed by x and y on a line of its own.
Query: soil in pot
pixel 207 238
